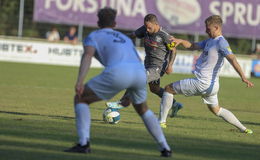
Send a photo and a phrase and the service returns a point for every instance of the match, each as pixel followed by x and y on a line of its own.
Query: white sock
pixel 166 105
pixel 83 122
pixel 154 128
pixel 230 118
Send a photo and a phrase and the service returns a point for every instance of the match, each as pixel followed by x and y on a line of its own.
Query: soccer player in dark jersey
pixel 160 55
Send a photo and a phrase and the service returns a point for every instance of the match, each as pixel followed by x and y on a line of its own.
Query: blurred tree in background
pixel 9 15
pixel 241 46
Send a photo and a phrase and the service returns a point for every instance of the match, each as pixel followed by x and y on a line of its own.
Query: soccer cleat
pixel 176 106
pixel 79 149
pixel 114 105
pixel 163 125
pixel 166 153
pixel 248 131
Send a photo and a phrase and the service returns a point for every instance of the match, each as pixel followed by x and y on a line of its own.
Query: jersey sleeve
pixel 202 44
pixel 167 40
pixel 224 48
pixel 89 41
pixel 140 32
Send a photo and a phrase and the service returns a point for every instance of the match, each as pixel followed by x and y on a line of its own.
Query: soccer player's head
pixel 151 23
pixel 213 26
pixel 107 17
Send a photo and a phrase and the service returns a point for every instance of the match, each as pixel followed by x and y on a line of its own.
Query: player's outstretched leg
pixel 230 118
pixel 154 128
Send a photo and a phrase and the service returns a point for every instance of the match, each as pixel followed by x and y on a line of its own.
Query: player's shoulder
pixel 120 33
pixel 123 35
pixel 222 42
pixel 223 46
pixel 163 32
pixel 93 33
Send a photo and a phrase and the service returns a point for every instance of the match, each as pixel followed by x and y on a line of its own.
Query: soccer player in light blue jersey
pixel 206 81
pixel 123 70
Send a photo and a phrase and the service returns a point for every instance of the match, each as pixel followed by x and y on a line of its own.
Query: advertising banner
pixel 256 67
pixel 241 17
pixel 43 53
pixel 70 55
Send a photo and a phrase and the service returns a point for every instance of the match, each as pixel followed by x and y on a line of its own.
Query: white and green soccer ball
pixel 111 116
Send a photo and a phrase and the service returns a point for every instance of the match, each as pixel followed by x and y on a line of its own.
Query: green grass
pixel 37 120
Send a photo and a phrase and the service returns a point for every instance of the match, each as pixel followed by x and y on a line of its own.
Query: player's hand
pixel 248 83
pixel 169 70
pixel 79 89
pixel 177 41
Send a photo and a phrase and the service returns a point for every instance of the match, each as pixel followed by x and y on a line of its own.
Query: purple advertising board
pixel 241 17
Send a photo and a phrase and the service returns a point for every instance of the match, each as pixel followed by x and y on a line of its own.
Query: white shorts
pixel 119 77
pixel 194 87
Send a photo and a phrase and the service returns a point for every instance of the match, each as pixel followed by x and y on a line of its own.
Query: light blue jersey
pixel 112 47
pixel 211 60
pixel 123 67
pixel 206 71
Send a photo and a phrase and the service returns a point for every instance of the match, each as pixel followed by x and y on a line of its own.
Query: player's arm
pixel 171 47
pixel 139 33
pixel 233 61
pixel 172 57
pixel 84 68
pixel 132 35
pixel 186 44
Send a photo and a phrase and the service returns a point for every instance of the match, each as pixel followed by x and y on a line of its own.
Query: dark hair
pixel 106 17
pixel 214 19
pixel 151 18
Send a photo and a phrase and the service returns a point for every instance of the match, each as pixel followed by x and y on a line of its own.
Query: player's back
pixel 112 47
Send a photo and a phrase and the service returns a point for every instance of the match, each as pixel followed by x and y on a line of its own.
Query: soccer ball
pixel 111 116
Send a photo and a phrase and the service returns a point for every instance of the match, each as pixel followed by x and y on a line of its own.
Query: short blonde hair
pixel 214 19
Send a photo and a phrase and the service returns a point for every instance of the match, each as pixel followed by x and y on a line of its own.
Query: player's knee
pixel 154 87
pixel 76 99
pixel 125 101
pixel 169 89
pixel 141 108
pixel 80 99
pixel 154 90
pixel 214 109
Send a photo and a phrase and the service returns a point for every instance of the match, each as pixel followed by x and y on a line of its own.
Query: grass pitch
pixel 37 120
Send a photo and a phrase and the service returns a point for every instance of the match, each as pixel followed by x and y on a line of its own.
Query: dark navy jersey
pixel 157 52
